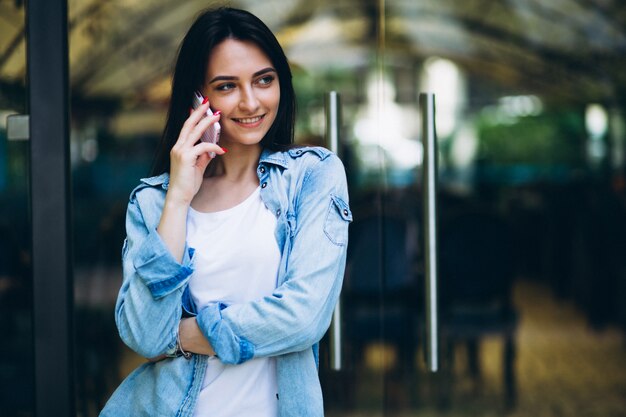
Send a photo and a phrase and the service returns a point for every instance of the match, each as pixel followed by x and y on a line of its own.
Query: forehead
pixel 238 58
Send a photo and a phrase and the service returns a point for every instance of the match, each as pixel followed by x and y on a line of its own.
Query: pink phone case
pixel 212 134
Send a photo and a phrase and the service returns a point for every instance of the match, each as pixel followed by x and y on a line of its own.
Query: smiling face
pixel 242 83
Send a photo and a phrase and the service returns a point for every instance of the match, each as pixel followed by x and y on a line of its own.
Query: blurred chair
pixel 476 272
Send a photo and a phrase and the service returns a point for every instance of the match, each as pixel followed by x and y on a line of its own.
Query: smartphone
pixel 212 134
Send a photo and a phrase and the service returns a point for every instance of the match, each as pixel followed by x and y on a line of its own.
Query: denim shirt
pixel 306 189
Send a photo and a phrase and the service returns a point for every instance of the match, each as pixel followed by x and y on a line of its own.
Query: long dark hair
pixel 210 29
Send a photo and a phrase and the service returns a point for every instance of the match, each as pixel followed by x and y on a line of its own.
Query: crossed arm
pixel 292 319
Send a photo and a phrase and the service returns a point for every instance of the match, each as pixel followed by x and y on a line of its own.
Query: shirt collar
pixel 267 156
pixel 273 157
pixel 163 180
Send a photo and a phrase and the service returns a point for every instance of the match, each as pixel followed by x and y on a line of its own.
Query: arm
pixel 188 161
pixel 157 264
pixel 298 313
pixel 148 306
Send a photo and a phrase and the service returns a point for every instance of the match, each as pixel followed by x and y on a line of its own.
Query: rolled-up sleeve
pixel 158 269
pixel 148 308
pixel 299 311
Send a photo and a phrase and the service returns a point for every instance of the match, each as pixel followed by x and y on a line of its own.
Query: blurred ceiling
pixel 124 49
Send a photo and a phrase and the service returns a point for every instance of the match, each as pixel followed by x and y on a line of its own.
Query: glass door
pixel 35 292
pixel 16 352
pixel 530 207
pixel 531 138
pixel 530 204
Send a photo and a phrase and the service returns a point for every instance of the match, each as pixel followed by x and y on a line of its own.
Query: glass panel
pixel 531 137
pixel 16 349
pixel 531 129
pixel 116 122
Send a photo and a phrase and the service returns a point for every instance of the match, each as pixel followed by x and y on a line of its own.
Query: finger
pixel 188 156
pixel 198 130
pixel 192 121
pixel 205 148
pixel 203 161
pixel 194 117
pixel 191 133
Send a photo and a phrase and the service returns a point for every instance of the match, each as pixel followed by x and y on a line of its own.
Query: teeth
pixel 249 120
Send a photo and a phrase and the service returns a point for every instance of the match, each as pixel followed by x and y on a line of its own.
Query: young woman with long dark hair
pixel 235 252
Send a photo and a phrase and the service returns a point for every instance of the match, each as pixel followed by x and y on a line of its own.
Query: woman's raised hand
pixel 189 157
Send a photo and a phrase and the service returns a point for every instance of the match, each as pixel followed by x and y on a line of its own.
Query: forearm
pixel 146 325
pixel 293 319
pixel 189 158
pixel 148 307
pixel 191 338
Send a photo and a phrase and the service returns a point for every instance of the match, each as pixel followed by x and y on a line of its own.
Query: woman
pixel 235 253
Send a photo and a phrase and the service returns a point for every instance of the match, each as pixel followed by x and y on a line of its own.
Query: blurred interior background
pixel 531 108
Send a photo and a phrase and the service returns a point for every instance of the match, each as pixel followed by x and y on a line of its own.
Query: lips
pixel 249 120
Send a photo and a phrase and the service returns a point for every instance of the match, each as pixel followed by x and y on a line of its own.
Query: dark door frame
pixel 50 192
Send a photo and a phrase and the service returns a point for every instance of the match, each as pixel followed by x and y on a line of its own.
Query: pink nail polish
pixel 217 113
pixel 206 99
pixel 225 150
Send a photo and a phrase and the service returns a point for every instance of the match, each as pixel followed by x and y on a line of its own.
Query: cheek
pixel 220 103
pixel 217 105
pixel 273 98
pixel 214 104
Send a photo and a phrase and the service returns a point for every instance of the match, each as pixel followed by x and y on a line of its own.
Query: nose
pixel 249 102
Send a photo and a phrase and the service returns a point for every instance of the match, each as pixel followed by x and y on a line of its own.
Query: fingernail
pixel 217 113
pixel 225 150
pixel 190 110
pixel 206 99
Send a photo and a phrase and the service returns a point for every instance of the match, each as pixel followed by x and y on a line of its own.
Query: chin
pixel 241 141
pixel 245 139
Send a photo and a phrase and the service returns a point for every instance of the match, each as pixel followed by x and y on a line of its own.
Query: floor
pixel 563 368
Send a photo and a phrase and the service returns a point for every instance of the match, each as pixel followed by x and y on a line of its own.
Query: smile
pixel 249 120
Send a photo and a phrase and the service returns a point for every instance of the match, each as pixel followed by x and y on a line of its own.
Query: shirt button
pixel 264 185
pixel 278 212
pixel 298 151
pixel 345 212
pixel 262 169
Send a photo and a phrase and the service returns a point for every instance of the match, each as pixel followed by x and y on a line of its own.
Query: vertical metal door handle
pixel 332 140
pixel 429 143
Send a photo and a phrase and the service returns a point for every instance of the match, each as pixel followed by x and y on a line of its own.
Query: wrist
pixel 192 339
pixel 178 351
pixel 187 331
pixel 176 202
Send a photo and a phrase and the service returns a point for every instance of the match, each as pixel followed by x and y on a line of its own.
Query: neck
pixel 239 164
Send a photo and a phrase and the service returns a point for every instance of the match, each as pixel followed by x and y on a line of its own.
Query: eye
pixel 225 87
pixel 266 80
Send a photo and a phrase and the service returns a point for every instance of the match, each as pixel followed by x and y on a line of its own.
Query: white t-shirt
pixel 236 261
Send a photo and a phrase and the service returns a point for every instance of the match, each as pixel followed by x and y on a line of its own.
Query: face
pixel 242 83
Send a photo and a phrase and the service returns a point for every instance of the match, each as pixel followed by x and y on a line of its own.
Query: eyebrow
pixel 231 78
